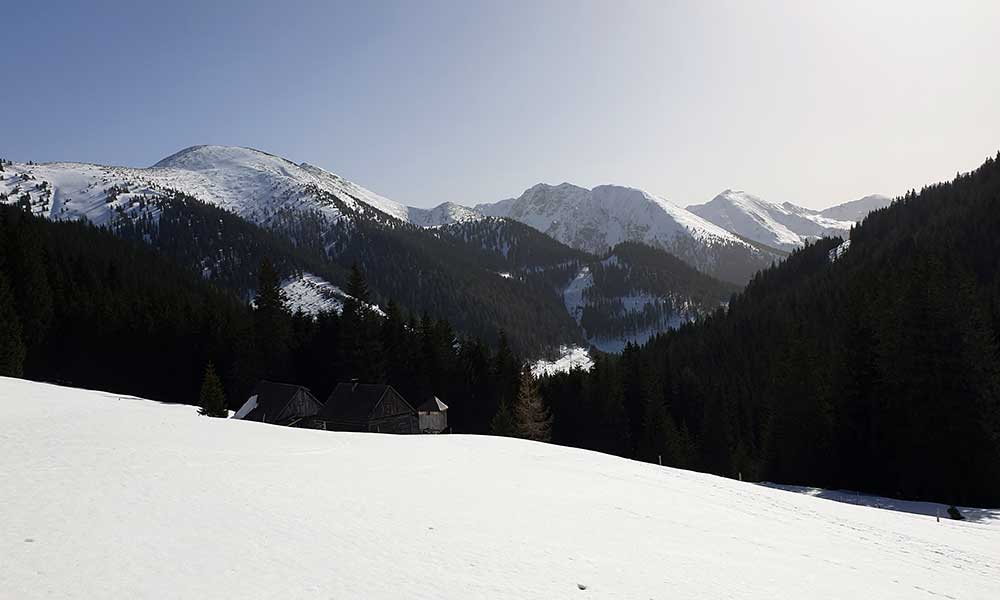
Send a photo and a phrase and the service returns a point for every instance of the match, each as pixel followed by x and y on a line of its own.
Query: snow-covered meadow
pixel 117 497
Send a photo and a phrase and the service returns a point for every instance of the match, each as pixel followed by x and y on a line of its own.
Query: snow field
pixel 119 497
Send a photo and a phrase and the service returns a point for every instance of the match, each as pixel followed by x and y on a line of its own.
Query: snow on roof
pixel 247 407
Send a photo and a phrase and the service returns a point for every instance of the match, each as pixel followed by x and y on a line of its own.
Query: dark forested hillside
pixel 227 249
pixel 638 288
pixel 447 276
pixel 876 371
pixel 83 307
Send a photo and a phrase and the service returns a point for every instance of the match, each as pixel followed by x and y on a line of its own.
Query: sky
pixel 467 101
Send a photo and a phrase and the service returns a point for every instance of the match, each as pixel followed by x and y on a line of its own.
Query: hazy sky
pixel 811 102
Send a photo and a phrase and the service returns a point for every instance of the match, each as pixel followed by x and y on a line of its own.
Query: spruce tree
pixel 272 325
pixel 530 414
pixel 503 423
pixel 212 398
pixel 270 296
pixel 361 331
pixel 357 285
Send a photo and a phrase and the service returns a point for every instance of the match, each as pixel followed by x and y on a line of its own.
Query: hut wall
pixel 433 422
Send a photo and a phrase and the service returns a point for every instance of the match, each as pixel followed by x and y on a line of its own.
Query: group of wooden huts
pixel 351 407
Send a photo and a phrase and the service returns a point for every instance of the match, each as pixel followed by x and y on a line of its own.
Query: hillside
pixel 629 294
pixel 110 496
pixel 871 366
pixel 636 291
pixel 598 219
pixel 81 306
pixel 856 210
pixel 219 211
pixel 783 226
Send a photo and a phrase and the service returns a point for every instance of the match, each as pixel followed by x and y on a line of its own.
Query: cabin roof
pixel 354 400
pixel 433 404
pixel 269 398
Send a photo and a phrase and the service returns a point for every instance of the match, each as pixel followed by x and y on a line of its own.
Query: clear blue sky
pixel 475 101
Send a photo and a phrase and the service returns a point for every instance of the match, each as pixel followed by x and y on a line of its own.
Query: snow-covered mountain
pixel 785 226
pixel 112 496
pixel 250 183
pixel 856 209
pixel 221 210
pixel 595 220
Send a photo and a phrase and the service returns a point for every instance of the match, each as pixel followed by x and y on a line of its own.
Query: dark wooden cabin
pixel 366 407
pixel 279 403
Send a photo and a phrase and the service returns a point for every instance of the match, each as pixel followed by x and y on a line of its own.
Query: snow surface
pixel 312 294
pixel 110 497
pixel 929 509
pixel 247 407
pixel 570 357
pixel 783 226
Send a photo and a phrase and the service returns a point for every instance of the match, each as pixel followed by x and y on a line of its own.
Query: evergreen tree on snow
pixel 530 414
pixel 212 399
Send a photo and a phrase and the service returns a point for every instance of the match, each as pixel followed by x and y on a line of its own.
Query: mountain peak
pixel 594 220
pixel 205 156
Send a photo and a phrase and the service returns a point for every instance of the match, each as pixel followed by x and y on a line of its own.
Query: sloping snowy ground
pixel 312 294
pixel 108 497
pixel 570 357
pixel 930 509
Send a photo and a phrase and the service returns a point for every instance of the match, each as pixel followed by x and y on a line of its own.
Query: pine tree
pixel 212 399
pixel 530 414
pixel 11 343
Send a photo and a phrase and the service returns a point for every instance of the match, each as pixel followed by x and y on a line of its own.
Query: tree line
pixel 82 307
pixel 877 371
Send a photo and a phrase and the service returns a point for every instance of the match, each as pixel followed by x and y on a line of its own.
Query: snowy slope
pixel 124 498
pixel 312 294
pixel 595 220
pixel 446 213
pixel 569 358
pixel 785 226
pixel 250 183
pixel 857 209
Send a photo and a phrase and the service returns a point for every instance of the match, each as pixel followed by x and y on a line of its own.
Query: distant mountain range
pixel 218 209
pixel 785 226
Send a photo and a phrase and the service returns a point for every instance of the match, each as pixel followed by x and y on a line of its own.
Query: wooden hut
pixel 366 407
pixel 432 416
pixel 279 403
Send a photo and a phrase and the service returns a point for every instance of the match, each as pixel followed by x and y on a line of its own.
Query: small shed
pixel 367 407
pixel 432 416
pixel 279 403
